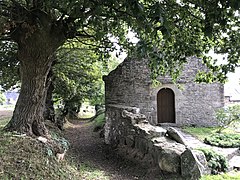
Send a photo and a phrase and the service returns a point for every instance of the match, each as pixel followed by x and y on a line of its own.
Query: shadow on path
pixel 88 147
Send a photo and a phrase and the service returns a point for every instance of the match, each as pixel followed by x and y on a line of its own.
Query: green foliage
pixel 99 122
pixel 233 175
pixel 226 116
pixel 73 78
pixel 49 151
pixel 168 31
pixel 60 140
pixel 216 162
pixel 223 140
pixel 78 75
pixel 9 65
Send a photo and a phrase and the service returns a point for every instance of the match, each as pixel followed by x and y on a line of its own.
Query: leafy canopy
pixel 169 30
pixel 9 65
pixel 78 75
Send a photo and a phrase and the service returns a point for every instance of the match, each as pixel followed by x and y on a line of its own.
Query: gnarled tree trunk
pixel 38 38
pixel 28 113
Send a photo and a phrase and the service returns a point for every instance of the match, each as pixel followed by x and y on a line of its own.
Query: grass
pixel 4 121
pixel 233 175
pixel 91 173
pixel 86 115
pixel 23 157
pixel 200 132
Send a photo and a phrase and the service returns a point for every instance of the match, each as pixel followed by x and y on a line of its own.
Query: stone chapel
pixel 191 104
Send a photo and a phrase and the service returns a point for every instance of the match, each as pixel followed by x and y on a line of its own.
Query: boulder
pixel 135 118
pixel 169 161
pixel 176 135
pixel 191 167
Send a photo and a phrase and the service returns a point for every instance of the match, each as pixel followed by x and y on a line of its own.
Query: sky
pixel 231 87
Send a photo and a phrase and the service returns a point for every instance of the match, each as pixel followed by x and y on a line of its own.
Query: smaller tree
pixel 78 77
pixel 226 116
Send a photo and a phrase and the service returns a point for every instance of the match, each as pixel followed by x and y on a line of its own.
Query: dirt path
pixel 88 147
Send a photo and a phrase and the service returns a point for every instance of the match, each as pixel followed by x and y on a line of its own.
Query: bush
pixel 99 122
pixel 225 116
pixel 216 162
pixel 223 140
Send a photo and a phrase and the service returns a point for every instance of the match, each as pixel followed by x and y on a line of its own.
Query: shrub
pixel 223 140
pixel 216 162
pixel 225 116
pixel 99 122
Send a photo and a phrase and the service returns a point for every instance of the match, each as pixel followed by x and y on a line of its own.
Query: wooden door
pixel 166 106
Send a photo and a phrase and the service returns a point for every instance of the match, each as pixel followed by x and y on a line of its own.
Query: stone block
pixel 169 161
pixel 234 163
pixel 191 167
pixel 158 131
pixel 176 135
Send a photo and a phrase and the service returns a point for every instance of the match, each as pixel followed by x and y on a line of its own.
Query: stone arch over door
pixel 166 106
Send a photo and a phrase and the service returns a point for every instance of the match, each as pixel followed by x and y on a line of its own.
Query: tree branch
pixel 5 38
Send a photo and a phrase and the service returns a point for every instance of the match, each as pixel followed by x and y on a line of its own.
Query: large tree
pixel 168 30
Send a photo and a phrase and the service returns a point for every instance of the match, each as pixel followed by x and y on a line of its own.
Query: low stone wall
pixel 129 131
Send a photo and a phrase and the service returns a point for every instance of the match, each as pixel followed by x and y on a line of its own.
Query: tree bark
pixel 49 113
pixel 28 113
pixel 37 38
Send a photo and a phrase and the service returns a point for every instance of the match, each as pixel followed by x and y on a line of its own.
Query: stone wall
pixel 130 85
pixel 132 135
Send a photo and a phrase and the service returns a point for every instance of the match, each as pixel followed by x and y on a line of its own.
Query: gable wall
pixel 130 85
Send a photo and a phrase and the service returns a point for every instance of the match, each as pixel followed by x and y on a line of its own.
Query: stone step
pixel 195 143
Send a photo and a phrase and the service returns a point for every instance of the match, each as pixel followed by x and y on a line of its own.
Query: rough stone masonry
pixel 193 104
pixel 132 135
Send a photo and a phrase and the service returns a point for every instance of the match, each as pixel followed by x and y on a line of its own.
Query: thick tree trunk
pixel 38 38
pixel 28 113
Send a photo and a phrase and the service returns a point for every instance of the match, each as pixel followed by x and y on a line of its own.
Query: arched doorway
pixel 166 106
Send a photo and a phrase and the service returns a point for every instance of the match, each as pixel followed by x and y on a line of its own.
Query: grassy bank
pixel 23 157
